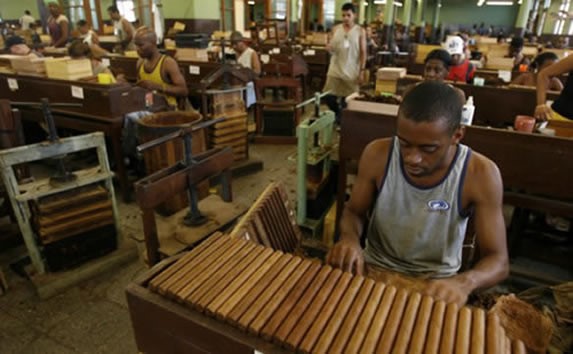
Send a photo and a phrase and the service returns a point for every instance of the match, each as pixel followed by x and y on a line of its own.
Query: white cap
pixel 454 45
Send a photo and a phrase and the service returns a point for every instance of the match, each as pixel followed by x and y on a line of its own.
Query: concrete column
pixel 293 17
pixel 407 15
pixel 436 19
pixel 419 20
pixel 361 12
pixel 522 17
pixel 388 29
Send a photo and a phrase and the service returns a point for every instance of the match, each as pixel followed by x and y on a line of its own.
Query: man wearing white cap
pixel 461 69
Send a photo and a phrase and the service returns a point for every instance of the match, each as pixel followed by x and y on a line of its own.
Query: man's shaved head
pixel 146 34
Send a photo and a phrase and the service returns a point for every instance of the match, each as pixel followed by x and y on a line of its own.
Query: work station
pixel 280 176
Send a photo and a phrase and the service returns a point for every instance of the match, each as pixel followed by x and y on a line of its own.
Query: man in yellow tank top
pixel 157 72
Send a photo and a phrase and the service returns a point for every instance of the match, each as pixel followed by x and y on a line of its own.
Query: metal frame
pixel 323 125
pixel 21 194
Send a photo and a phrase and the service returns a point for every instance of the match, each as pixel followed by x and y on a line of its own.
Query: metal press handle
pixel 178 134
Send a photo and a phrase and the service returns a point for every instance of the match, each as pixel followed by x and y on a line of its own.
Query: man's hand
pixel 448 290
pixel 149 85
pixel 347 255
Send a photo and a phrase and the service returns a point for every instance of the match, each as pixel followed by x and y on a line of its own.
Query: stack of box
pixel 29 65
pixel 68 69
pixel 387 79
pixel 233 131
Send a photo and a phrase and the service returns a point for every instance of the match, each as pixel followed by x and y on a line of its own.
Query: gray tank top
pixel 418 230
pixel 345 59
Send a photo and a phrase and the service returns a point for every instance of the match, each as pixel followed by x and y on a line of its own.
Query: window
pixel 562 16
pixel 280 10
pixel 126 9
pixel 228 15
pixel 329 12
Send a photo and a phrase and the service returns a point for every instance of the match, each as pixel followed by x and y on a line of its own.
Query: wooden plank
pixel 374 303
pixel 74 216
pixel 291 301
pixel 297 334
pixel 324 317
pixel 293 317
pixel 256 255
pixel 261 286
pixel 156 281
pixel 421 326
pixel 196 299
pixel 351 319
pixel 278 297
pixel 269 292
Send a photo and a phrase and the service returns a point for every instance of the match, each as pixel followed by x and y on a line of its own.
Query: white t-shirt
pixel 25 21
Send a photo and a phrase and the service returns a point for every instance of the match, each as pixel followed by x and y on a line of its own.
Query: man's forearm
pixel 351 226
pixel 489 271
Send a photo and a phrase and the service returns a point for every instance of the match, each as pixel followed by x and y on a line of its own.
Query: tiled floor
pixel 93 317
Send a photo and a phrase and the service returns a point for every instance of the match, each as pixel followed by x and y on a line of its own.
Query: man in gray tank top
pixel 420 187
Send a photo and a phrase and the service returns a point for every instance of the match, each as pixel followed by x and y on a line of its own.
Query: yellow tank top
pixel 155 76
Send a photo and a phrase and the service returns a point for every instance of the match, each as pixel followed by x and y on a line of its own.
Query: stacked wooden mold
pixel 233 131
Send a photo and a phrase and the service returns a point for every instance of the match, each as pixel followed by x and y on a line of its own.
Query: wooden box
pixel 497 63
pixel 422 51
pixel 29 65
pixel 371 107
pixel 386 86
pixel 192 54
pixel 319 38
pixel 390 73
pixel 68 69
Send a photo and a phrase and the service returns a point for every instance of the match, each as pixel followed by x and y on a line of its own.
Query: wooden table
pixel 103 108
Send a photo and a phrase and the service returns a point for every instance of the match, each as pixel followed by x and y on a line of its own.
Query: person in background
pixel 542 61
pixel 314 25
pixel 81 50
pixel 437 65
pixel 90 37
pixel 562 107
pixel 58 25
pixel 36 40
pixel 516 52
pixel 122 28
pixel 156 71
pixel 419 189
pixel 160 75
pixel 347 68
pixel 87 35
pixel 26 20
pixel 461 70
pixel 371 44
pixel 246 56
pixel 17 45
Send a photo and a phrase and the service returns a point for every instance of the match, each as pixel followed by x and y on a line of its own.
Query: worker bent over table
pixel 420 188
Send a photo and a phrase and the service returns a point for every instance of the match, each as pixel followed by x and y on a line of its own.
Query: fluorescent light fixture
pixel 252 2
pixel 365 3
pixel 379 2
pixel 519 2
pixel 440 5
pixel 399 4
pixel 481 2
pixel 499 3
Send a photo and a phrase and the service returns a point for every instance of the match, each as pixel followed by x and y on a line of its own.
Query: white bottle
pixel 468 111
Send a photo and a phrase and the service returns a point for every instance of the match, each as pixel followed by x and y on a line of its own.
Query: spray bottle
pixel 468 111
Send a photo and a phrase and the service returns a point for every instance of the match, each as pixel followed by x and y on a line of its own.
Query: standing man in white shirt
pixel 122 28
pixel 26 20
pixel 347 69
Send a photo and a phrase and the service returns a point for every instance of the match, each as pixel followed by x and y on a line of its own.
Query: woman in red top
pixel 461 69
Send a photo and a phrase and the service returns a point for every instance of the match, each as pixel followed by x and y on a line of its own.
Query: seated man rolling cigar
pixel 420 187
